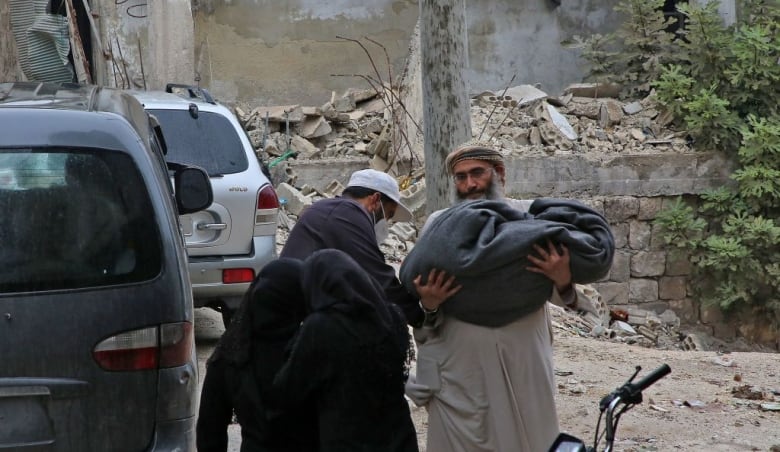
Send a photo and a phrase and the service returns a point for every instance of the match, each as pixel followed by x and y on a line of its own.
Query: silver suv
pixel 230 241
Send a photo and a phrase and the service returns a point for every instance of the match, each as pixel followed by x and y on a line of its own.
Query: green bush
pixel 722 85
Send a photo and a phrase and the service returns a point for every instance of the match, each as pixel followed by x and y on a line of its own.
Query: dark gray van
pixel 96 316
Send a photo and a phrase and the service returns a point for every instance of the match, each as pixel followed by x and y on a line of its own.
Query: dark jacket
pixel 343 224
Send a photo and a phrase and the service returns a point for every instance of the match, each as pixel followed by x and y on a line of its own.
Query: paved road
pixel 208 329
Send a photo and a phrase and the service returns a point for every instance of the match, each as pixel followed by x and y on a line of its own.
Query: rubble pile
pixel 586 119
pixel 582 120
pixel 351 125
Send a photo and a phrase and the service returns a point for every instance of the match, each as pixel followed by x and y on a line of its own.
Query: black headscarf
pixel 267 319
pixel 333 283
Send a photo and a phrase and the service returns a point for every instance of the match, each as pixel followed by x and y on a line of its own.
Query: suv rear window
pixel 208 141
pixel 73 218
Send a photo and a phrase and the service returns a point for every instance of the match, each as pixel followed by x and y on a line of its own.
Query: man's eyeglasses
pixel 475 173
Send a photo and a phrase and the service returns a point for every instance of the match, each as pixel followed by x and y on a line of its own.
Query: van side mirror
pixel 193 189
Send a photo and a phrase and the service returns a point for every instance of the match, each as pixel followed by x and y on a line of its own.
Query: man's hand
pixel 552 264
pixel 436 290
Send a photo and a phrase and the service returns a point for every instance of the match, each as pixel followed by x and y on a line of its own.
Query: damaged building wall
pixel 267 53
pixel 145 44
pixel 263 53
pixel 134 44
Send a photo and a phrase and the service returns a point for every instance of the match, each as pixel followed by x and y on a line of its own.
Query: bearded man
pixel 485 369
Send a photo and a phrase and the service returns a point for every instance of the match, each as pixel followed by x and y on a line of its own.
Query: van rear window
pixel 72 218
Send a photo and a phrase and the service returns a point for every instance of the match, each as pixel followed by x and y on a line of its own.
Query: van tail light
pixel 176 340
pixel 237 275
pixel 167 345
pixel 267 212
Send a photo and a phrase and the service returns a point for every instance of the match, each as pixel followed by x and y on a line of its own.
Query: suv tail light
pixel 267 213
pixel 267 198
pixel 167 345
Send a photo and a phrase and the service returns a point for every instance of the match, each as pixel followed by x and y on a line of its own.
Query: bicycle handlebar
pixel 652 377
pixel 632 392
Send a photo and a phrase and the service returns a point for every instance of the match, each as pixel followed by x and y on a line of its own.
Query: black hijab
pixel 267 319
pixel 334 284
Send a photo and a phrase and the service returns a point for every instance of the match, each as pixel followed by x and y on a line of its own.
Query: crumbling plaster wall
pixel 145 43
pixel 267 53
pixel 270 53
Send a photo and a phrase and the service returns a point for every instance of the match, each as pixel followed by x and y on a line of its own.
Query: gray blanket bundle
pixel 484 244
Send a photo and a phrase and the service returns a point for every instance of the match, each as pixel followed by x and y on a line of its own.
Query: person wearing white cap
pixel 356 223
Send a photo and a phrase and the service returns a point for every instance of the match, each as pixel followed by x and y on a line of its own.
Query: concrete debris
pixel 295 202
pixel 525 94
pixel 360 95
pixel 633 108
pixel 303 147
pixel 333 189
pixel 523 120
pixel 344 104
pixel 315 127
pixel 560 122
pixel 281 113
pixel 594 90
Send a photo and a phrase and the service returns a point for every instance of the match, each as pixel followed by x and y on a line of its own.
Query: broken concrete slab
pixel 295 202
pixel 328 111
pixel 524 94
pixel 561 123
pixel 311 111
pixel 594 90
pixel 314 127
pixel 356 115
pixel 303 147
pixel 633 108
pixel 373 106
pixel 614 111
pixel 360 94
pixel 280 113
pixel 344 104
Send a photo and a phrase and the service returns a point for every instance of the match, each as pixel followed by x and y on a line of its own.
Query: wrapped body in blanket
pixel 484 244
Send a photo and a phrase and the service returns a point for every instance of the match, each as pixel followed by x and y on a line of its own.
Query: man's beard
pixel 494 190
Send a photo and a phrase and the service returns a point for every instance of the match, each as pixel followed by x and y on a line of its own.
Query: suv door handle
pixel 211 226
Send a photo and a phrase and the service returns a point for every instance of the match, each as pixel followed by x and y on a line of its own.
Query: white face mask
pixel 381 228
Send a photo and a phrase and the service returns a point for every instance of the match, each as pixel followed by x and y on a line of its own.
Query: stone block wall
pixel 645 271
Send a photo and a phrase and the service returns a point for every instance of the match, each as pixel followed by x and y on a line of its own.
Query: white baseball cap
pixel 385 184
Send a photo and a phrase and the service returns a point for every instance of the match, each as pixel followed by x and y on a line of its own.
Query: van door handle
pixel 211 226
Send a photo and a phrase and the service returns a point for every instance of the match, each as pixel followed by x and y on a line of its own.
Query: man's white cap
pixel 385 184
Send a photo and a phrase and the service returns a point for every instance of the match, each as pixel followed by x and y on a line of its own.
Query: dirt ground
pixel 711 401
pixel 692 409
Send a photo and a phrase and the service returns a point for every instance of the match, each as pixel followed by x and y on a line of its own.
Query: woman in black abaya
pixel 349 360
pixel 243 365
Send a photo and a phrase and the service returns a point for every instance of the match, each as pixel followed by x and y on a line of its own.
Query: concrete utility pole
pixel 446 112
